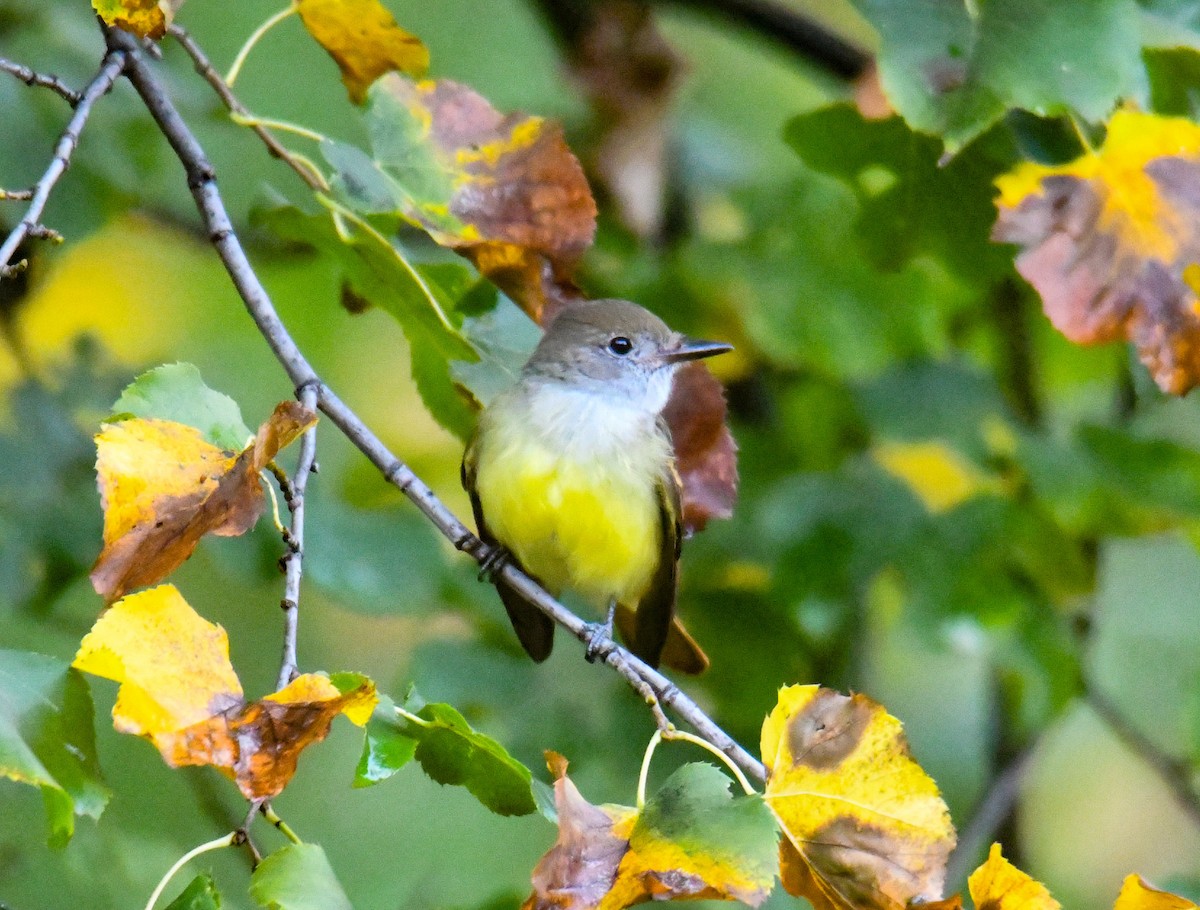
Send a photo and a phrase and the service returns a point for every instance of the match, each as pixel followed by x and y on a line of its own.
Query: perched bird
pixel 572 472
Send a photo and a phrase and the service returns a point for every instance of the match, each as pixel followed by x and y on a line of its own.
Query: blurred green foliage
pixel 851 266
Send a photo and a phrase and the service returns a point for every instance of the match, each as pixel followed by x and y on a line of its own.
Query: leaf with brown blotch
pixel 163 487
pixel 999 885
pixel 179 690
pixel 1111 242
pixel 364 40
pixel 503 190
pixel 691 841
pixel 864 825
pixel 705 453
pixel 1137 895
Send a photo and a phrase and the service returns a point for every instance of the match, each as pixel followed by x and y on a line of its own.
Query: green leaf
pixel 200 894
pixel 953 69
pixel 451 752
pixel 504 337
pixel 176 392
pixel 386 748
pixel 47 739
pixel 695 810
pixel 909 204
pixel 358 180
pixel 377 271
pixel 298 877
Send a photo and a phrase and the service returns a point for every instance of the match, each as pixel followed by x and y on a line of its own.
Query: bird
pixel 571 474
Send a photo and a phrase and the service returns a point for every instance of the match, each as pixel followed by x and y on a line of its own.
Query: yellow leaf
pixel 163 487
pixel 144 18
pixel 1137 895
pixel 864 826
pixel 179 690
pixel 939 476
pixel 364 40
pixel 1110 238
pixel 999 885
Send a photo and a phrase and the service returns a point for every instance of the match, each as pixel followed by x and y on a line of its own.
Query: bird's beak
pixel 694 349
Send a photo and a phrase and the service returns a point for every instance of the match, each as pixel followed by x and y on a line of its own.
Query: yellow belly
pixel 593 526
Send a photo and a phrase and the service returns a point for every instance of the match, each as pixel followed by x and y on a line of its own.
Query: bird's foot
pixel 600 637
pixel 493 563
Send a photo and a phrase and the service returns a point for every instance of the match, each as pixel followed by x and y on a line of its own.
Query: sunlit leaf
pixel 364 40
pixel 999 885
pixel 47 739
pixel 953 69
pixel 179 690
pixel 200 894
pixel 691 841
pixel 864 826
pixel 163 487
pixel 1110 242
pixel 1137 895
pixel 144 18
pixel 939 476
pixel 298 877
pixel 176 392
pixel 504 191
pixel 386 748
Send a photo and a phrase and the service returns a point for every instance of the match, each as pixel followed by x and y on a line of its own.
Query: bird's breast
pixel 575 497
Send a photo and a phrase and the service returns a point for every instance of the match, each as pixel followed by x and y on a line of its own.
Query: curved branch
pixel 293 560
pixel 202 182
pixel 30 226
pixel 42 80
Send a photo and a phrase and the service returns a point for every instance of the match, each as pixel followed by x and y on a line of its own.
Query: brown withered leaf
pixel 629 73
pixel 579 870
pixel 163 487
pixel 705 453
pixel 864 826
pixel 364 40
pixel 179 690
pixel 1111 242
pixel 504 190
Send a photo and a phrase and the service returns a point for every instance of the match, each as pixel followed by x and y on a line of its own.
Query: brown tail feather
pixel 681 652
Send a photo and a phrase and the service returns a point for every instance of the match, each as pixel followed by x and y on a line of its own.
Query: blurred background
pixel 943 504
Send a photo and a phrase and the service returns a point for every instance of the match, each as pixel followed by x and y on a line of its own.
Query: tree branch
pixel 30 226
pixel 293 560
pixel 990 814
pixel 205 68
pixel 1174 772
pixel 202 183
pixel 42 80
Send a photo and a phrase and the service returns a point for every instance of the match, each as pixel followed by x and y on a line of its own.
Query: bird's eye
pixel 620 345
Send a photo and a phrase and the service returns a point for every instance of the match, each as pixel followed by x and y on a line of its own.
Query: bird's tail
pixel 680 652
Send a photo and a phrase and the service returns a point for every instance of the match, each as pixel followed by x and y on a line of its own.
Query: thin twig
pixel 202 182
pixel 1174 772
pixel 42 80
pixel 110 69
pixel 293 560
pixel 205 68
pixel 992 812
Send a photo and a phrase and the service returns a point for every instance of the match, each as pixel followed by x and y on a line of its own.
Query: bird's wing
pixel 534 629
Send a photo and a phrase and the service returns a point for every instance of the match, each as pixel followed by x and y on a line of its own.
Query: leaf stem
pixel 225 840
pixel 283 126
pixel 645 772
pixel 240 60
pixel 413 718
pixel 684 736
pixel 269 814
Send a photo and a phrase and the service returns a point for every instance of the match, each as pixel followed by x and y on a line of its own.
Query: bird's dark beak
pixel 693 349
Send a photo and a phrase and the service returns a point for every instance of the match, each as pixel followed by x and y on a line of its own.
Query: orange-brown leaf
pixel 364 40
pixel 515 202
pixel 864 826
pixel 1111 242
pixel 1136 894
pixel 705 453
pixel 999 885
pixel 163 487
pixel 179 690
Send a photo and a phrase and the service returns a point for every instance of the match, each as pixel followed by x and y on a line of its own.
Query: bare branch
pixel 42 80
pixel 992 812
pixel 205 68
pixel 202 182
pixel 1174 772
pixel 30 226
pixel 293 560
